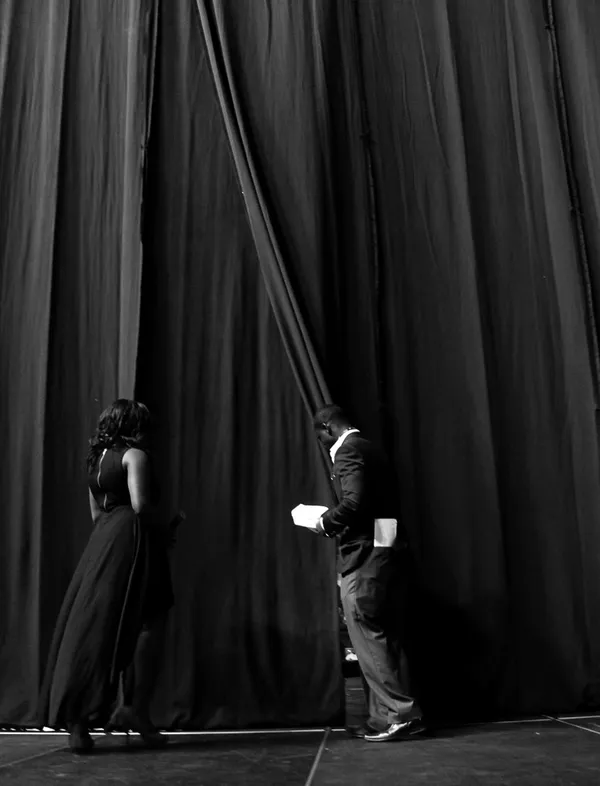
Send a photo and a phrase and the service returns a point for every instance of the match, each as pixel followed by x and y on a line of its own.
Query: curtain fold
pixel 33 54
pixel 141 19
pixel 253 635
pixel 579 75
pixel 461 340
pixel 486 321
pixel 580 71
pixel 72 126
pixel 286 308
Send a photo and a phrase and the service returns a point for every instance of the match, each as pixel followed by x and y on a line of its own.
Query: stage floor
pixel 539 751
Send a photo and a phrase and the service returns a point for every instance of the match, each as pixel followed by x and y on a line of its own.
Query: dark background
pixel 237 210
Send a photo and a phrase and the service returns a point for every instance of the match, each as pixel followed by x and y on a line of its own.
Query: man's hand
pixel 174 523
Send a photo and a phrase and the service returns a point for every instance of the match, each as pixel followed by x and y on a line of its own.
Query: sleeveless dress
pixel 121 584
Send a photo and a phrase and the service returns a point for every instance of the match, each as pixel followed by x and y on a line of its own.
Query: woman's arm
pixel 94 507
pixel 137 466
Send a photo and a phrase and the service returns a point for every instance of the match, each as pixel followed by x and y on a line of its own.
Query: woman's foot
pixel 125 719
pixel 79 738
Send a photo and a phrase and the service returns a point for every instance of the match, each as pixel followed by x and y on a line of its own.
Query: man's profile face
pixel 323 435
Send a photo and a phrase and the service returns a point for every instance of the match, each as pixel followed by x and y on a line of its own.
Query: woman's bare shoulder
pixel 135 457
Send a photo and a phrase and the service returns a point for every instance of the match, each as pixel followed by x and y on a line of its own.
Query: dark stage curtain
pixel 577 70
pixel 489 373
pixel 390 203
pixel 73 99
pixel 253 637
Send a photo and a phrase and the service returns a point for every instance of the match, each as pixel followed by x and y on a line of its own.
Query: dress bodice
pixel 108 480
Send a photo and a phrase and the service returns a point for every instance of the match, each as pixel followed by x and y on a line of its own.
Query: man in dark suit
pixel 372 559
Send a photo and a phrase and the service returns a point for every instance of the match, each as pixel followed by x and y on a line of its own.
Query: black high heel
pixel 80 741
pixel 124 719
pixel 115 725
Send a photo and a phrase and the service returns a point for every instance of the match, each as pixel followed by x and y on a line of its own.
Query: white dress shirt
pixel 332 452
pixel 340 441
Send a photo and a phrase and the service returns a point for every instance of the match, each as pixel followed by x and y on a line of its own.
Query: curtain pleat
pixel 431 282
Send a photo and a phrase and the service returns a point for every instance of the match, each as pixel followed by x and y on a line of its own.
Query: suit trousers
pixel 373 598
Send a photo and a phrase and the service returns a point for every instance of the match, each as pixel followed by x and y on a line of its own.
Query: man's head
pixel 329 423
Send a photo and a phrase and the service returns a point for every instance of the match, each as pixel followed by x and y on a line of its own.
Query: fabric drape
pixel 72 123
pixel 253 635
pixel 31 89
pixel 283 301
pixel 579 65
pixel 459 333
pixel 296 94
pixel 486 326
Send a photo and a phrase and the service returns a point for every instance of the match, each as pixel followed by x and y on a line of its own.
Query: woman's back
pixel 108 480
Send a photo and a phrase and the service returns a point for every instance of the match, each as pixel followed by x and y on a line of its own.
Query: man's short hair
pixel 331 414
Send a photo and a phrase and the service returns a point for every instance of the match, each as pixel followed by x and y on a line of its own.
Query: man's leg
pixel 364 596
pixel 377 718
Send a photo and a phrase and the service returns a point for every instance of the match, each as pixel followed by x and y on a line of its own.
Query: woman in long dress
pixel 106 646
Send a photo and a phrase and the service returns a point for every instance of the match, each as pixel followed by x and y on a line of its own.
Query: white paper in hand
pixel 308 515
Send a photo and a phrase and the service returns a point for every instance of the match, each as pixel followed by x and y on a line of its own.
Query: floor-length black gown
pixel 122 582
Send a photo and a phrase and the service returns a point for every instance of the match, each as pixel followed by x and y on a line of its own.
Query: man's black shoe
pixel 397 731
pixel 360 731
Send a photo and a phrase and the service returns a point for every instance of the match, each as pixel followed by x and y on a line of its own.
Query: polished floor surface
pixel 539 751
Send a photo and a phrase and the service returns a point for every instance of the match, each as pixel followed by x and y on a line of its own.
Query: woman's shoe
pixel 80 741
pixel 125 719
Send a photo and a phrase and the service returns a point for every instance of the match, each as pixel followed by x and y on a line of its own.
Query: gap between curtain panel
pixel 367 143
pixel 141 64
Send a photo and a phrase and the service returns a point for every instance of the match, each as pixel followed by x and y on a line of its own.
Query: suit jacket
pixel 366 489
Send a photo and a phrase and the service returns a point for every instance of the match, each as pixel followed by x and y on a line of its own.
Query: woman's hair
pixel 124 422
